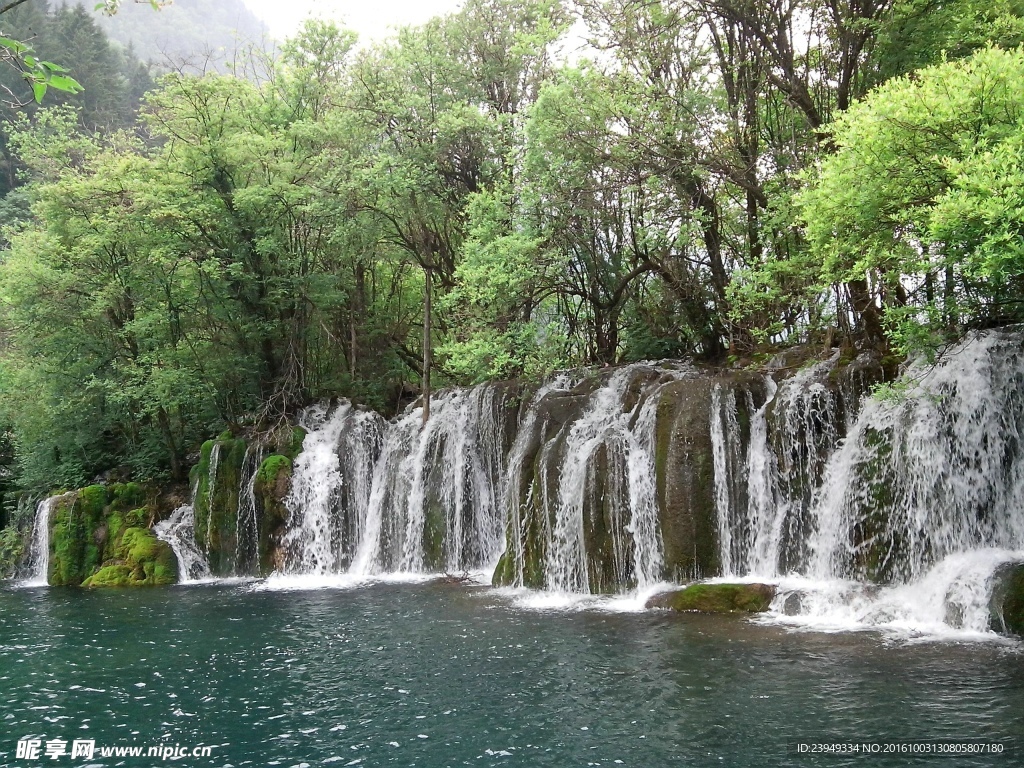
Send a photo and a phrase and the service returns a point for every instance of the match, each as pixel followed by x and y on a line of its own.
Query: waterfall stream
pixel 37 561
pixel 179 532
pixel 890 511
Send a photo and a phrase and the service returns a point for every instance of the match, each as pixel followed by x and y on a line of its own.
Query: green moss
pixel 295 447
pixel 434 528
pixel 141 560
pixel 110 576
pixel 272 467
pixel 78 536
pixel 505 572
pixel 717 598
pixel 216 506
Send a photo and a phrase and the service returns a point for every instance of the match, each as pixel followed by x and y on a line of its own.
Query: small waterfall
pixel 581 497
pixel 919 493
pixel 247 522
pixel 605 432
pixel 37 562
pixel 938 472
pixel 517 496
pixel 433 502
pixel 330 488
pixel 179 532
pixel 211 486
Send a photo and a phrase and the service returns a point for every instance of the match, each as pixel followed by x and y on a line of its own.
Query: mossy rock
pixel 717 598
pixel 143 561
pixel 216 501
pixel 79 536
pixel 1006 608
pixel 273 482
pixel 98 532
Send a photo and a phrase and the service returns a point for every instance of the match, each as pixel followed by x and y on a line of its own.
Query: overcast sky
pixel 372 19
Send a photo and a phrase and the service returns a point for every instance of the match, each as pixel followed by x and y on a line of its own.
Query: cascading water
pixel 247 519
pixel 179 532
pixel 921 497
pixel 330 488
pixel 433 502
pixel 625 436
pixel 581 497
pixel 37 563
pixel 517 496
pixel 211 485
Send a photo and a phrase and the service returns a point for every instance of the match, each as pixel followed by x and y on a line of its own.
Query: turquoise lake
pixel 435 674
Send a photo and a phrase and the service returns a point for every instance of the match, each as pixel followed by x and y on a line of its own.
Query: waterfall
pixel 330 490
pixel 433 501
pixel 581 496
pixel 37 562
pixel 918 493
pixel 517 496
pixel 623 437
pixel 211 486
pixel 246 521
pixel 179 532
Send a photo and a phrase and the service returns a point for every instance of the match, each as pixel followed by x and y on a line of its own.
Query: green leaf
pixel 13 45
pixel 38 90
pixel 66 84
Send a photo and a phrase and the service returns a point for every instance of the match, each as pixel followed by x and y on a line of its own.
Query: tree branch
pixel 11 6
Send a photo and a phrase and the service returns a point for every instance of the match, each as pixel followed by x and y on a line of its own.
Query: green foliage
pixel 260 242
pixel 925 197
pixel 12 547
pixel 40 75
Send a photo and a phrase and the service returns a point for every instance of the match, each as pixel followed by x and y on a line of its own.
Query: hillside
pixel 189 33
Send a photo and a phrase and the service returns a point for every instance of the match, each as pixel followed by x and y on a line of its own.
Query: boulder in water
pixel 716 598
pixel 1007 605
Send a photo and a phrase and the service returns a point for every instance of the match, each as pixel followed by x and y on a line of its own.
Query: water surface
pixel 440 675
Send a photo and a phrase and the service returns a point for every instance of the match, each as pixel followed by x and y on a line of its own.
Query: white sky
pixel 372 19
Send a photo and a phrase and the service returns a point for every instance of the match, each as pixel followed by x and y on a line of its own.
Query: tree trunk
pixel 427 289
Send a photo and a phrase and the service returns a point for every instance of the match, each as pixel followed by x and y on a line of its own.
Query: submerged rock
pixel 1006 608
pixel 717 598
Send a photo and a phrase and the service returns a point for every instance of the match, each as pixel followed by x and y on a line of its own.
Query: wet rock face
pixel 717 598
pixel 99 536
pixel 1006 608
pixel 685 467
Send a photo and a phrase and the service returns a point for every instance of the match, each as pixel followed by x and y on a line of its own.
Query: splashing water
pixel 921 497
pixel 179 532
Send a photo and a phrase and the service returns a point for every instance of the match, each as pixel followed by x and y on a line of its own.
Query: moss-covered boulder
pixel 1006 608
pixel 86 527
pixel 717 598
pixel 217 480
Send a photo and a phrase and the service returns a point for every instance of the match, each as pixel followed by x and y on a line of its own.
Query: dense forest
pixel 480 198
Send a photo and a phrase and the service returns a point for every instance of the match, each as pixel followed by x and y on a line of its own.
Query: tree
pixel 924 198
